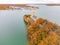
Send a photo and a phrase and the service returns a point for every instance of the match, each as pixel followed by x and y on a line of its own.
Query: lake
pixel 13 28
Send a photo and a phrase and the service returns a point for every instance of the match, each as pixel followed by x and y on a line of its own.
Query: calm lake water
pixel 13 28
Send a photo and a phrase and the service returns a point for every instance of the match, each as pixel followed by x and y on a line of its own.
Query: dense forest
pixel 41 31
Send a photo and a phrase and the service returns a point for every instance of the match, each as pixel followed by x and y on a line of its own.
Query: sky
pixel 28 1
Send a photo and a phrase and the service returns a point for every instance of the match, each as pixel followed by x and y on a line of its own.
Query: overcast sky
pixel 28 1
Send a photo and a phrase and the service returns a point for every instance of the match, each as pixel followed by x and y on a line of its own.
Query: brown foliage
pixel 43 32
